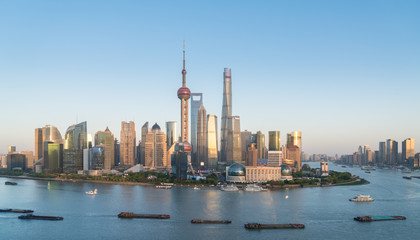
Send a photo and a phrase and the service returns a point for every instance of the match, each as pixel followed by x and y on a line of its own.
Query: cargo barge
pixel 257 226
pixel 10 183
pixel 16 210
pixel 211 221
pixel 31 216
pixel 374 219
pixel 134 215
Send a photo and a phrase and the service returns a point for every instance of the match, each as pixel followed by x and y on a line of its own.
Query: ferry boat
pixel 31 216
pixel 362 198
pixel 94 192
pixel 230 188
pixel 254 188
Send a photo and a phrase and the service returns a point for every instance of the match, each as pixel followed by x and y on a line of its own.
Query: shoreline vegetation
pixel 301 179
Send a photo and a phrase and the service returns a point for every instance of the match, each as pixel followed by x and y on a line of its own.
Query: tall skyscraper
pixel 295 138
pixel 144 131
pixel 196 102
pixel 246 139
pixel 53 157
pixel 201 154
pixel 407 150
pixel 156 148
pixel 171 136
pixel 294 148
pixel 184 94
pixel 234 147
pixel 382 153
pixel 46 134
pixel 117 152
pixel 74 143
pixel 391 152
pixel 128 144
pixel 261 145
pixel 274 141
pixel 252 155
pixel 212 141
pixel 226 112
pixel 39 145
pixel 106 139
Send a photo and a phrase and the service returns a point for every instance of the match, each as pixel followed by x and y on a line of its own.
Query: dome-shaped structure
pixel 184 93
pixel 156 127
pixel 236 169
pixel 286 170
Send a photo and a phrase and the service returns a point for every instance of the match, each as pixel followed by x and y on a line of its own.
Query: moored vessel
pixel 211 221
pixel 273 226
pixel 373 219
pixel 10 183
pixel 407 177
pixel 134 215
pixel 16 210
pixel 254 188
pixel 31 216
pixel 163 186
pixel 362 198
pixel 229 188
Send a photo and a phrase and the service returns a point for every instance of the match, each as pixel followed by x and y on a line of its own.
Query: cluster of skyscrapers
pixel 199 151
pixel 386 155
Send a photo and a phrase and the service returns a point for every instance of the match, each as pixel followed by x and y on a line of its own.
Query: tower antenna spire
pixel 184 72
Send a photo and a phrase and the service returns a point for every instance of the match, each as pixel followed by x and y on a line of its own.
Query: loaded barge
pixel 273 226
pixel 31 216
pixel 10 183
pixel 374 219
pixel 134 215
pixel 211 221
pixel 16 210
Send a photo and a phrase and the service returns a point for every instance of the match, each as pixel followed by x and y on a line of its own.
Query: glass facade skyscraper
pixel 196 102
pixel 261 145
pixel 53 157
pixel 144 131
pixel 274 141
pixel 226 113
pixel 407 150
pixel 234 147
pixel 212 140
pixel 128 144
pixel 74 143
pixel 391 152
pixel 201 154
pixel 106 138
pixel 171 136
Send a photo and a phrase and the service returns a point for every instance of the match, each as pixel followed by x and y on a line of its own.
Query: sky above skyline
pixel 345 73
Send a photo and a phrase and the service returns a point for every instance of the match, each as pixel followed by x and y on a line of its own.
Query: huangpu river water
pixel 326 212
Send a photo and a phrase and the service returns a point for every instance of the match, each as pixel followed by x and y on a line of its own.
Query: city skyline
pixel 334 99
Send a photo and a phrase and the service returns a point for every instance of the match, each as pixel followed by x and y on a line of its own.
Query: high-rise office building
pixel 246 139
pixel 11 149
pixel 53 157
pixel 46 134
pixel 275 158
pixel 295 138
pixel 144 131
pixel 407 150
pixel 261 145
pixel 212 142
pixel 391 152
pixel 106 139
pixel 16 161
pixel 74 143
pixel 155 148
pixel 184 94
pixel 274 141
pixel 196 102
pixel 39 145
pixel 294 153
pixel 226 113
pixel 252 155
pixel 234 147
pixel 171 136
pixel 201 154
pixel 128 144
pixel 382 153
pixel 117 152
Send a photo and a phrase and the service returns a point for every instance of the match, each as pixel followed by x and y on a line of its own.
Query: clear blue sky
pixel 345 73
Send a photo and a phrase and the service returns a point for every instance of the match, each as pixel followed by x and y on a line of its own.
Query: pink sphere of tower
pixel 184 93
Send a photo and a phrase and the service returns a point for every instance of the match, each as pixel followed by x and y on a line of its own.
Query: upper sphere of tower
pixel 184 93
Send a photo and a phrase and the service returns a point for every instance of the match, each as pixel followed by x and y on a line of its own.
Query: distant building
pixel 3 161
pixel 233 147
pixel 241 174
pixel 246 139
pixel 293 153
pixel 261 144
pixel 117 152
pixel 201 135
pixel 382 153
pixel 144 131
pixel 180 160
pixel 171 135
pixel 226 113
pixel 391 152
pixel 128 144
pixel 324 169
pixel 407 150
pixel 251 155
pixel 11 149
pixel 212 141
pixel 275 158
pixel 53 157
pixel 16 161
pixel 274 141
pixel 74 143
pixel 155 148
pixel 106 139
pixel 196 103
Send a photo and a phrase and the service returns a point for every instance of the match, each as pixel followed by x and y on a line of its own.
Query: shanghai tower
pixel 226 112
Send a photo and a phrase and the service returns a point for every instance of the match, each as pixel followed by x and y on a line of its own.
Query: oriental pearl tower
pixel 184 94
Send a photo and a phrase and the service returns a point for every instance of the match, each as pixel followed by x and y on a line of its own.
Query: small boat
pixel 10 183
pixel 407 177
pixel 362 198
pixel 16 210
pixel 211 221
pixel 273 226
pixel 231 188
pixel 134 215
pixel 406 170
pixel 374 219
pixel 92 192
pixel 343 166
pixel 163 186
pixel 31 216
pixel 367 172
pixel 196 188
